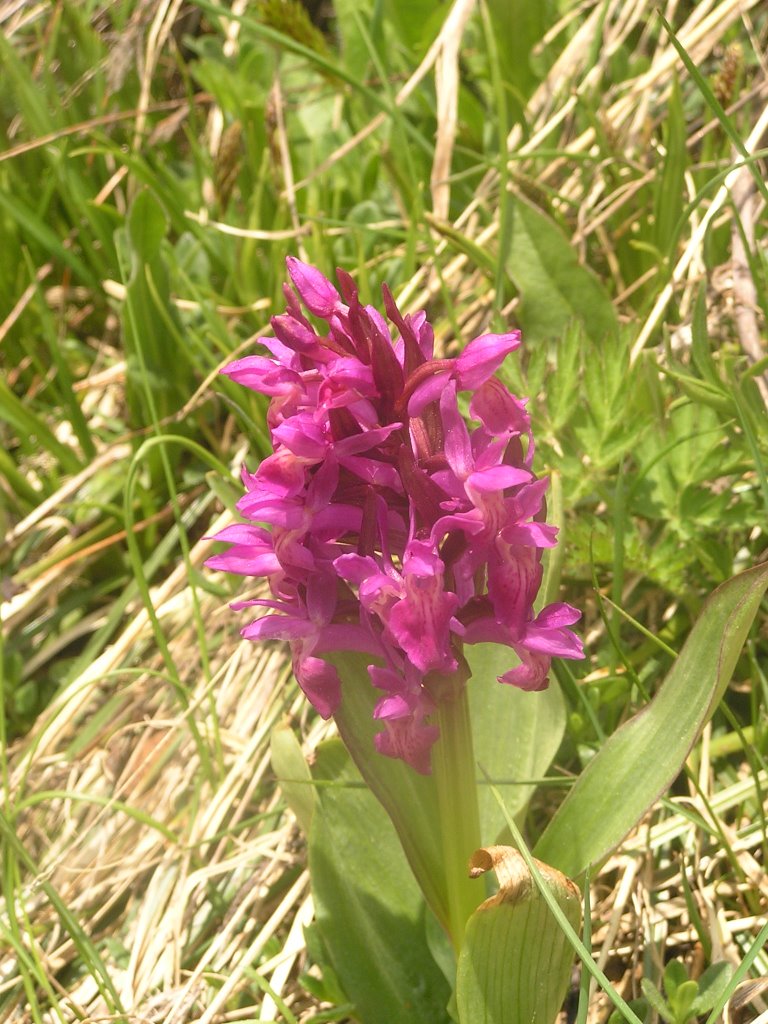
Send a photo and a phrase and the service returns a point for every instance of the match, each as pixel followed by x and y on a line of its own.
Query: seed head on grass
pixel 383 524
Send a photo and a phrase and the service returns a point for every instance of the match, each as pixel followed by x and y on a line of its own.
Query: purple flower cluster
pixel 382 523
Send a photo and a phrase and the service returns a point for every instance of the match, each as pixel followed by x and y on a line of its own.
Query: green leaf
pixel 293 775
pixel 675 975
pixel 518 27
pixel 416 22
pixel 683 1000
pixel 516 735
pixel 147 225
pixel 410 799
pixel 555 288
pixel 655 999
pixel 515 964
pixel 368 906
pixel 669 190
pixel 353 49
pixel 563 391
pixel 712 985
pixel 701 349
pixel 641 760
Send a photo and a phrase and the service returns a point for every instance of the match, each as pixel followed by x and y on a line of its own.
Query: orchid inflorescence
pixel 383 524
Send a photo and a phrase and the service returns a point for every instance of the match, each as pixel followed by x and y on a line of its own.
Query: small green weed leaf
pixel 555 288
pixel 700 346
pixel 656 1000
pixel 563 384
pixel 683 1000
pixel 293 774
pixel 327 988
pixel 147 225
pixel 515 964
pixel 643 757
pixel 515 734
pixel 367 903
pixel 712 985
pixel 675 975
pixel 410 799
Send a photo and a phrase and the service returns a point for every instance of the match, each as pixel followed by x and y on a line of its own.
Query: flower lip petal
pixel 365 441
pixel 557 615
pixel 498 478
pixel 245 562
pixel 500 412
pixel 355 568
pixel 393 707
pixel 530 675
pixel 320 682
pixel 264 375
pixel 243 533
pixel 537 535
pixel 410 740
pixel 482 357
pixel 557 643
pixel 302 436
pixel 428 391
pixel 458 448
pixel 387 679
pixel 278 627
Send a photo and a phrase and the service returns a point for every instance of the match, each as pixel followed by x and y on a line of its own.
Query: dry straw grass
pixel 190 877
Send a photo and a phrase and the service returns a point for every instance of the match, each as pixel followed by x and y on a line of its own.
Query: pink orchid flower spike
pixel 382 522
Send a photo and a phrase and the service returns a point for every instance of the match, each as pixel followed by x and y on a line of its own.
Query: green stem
pixel 453 768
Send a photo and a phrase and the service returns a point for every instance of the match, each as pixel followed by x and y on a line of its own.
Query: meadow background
pixel 579 170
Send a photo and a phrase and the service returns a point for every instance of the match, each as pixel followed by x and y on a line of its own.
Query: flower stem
pixel 453 768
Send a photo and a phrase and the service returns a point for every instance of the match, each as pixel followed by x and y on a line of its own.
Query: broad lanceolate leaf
pixel 554 286
pixel 368 905
pixel 516 735
pixel 518 27
pixel 410 799
pixel 643 757
pixel 515 965
pixel 293 774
